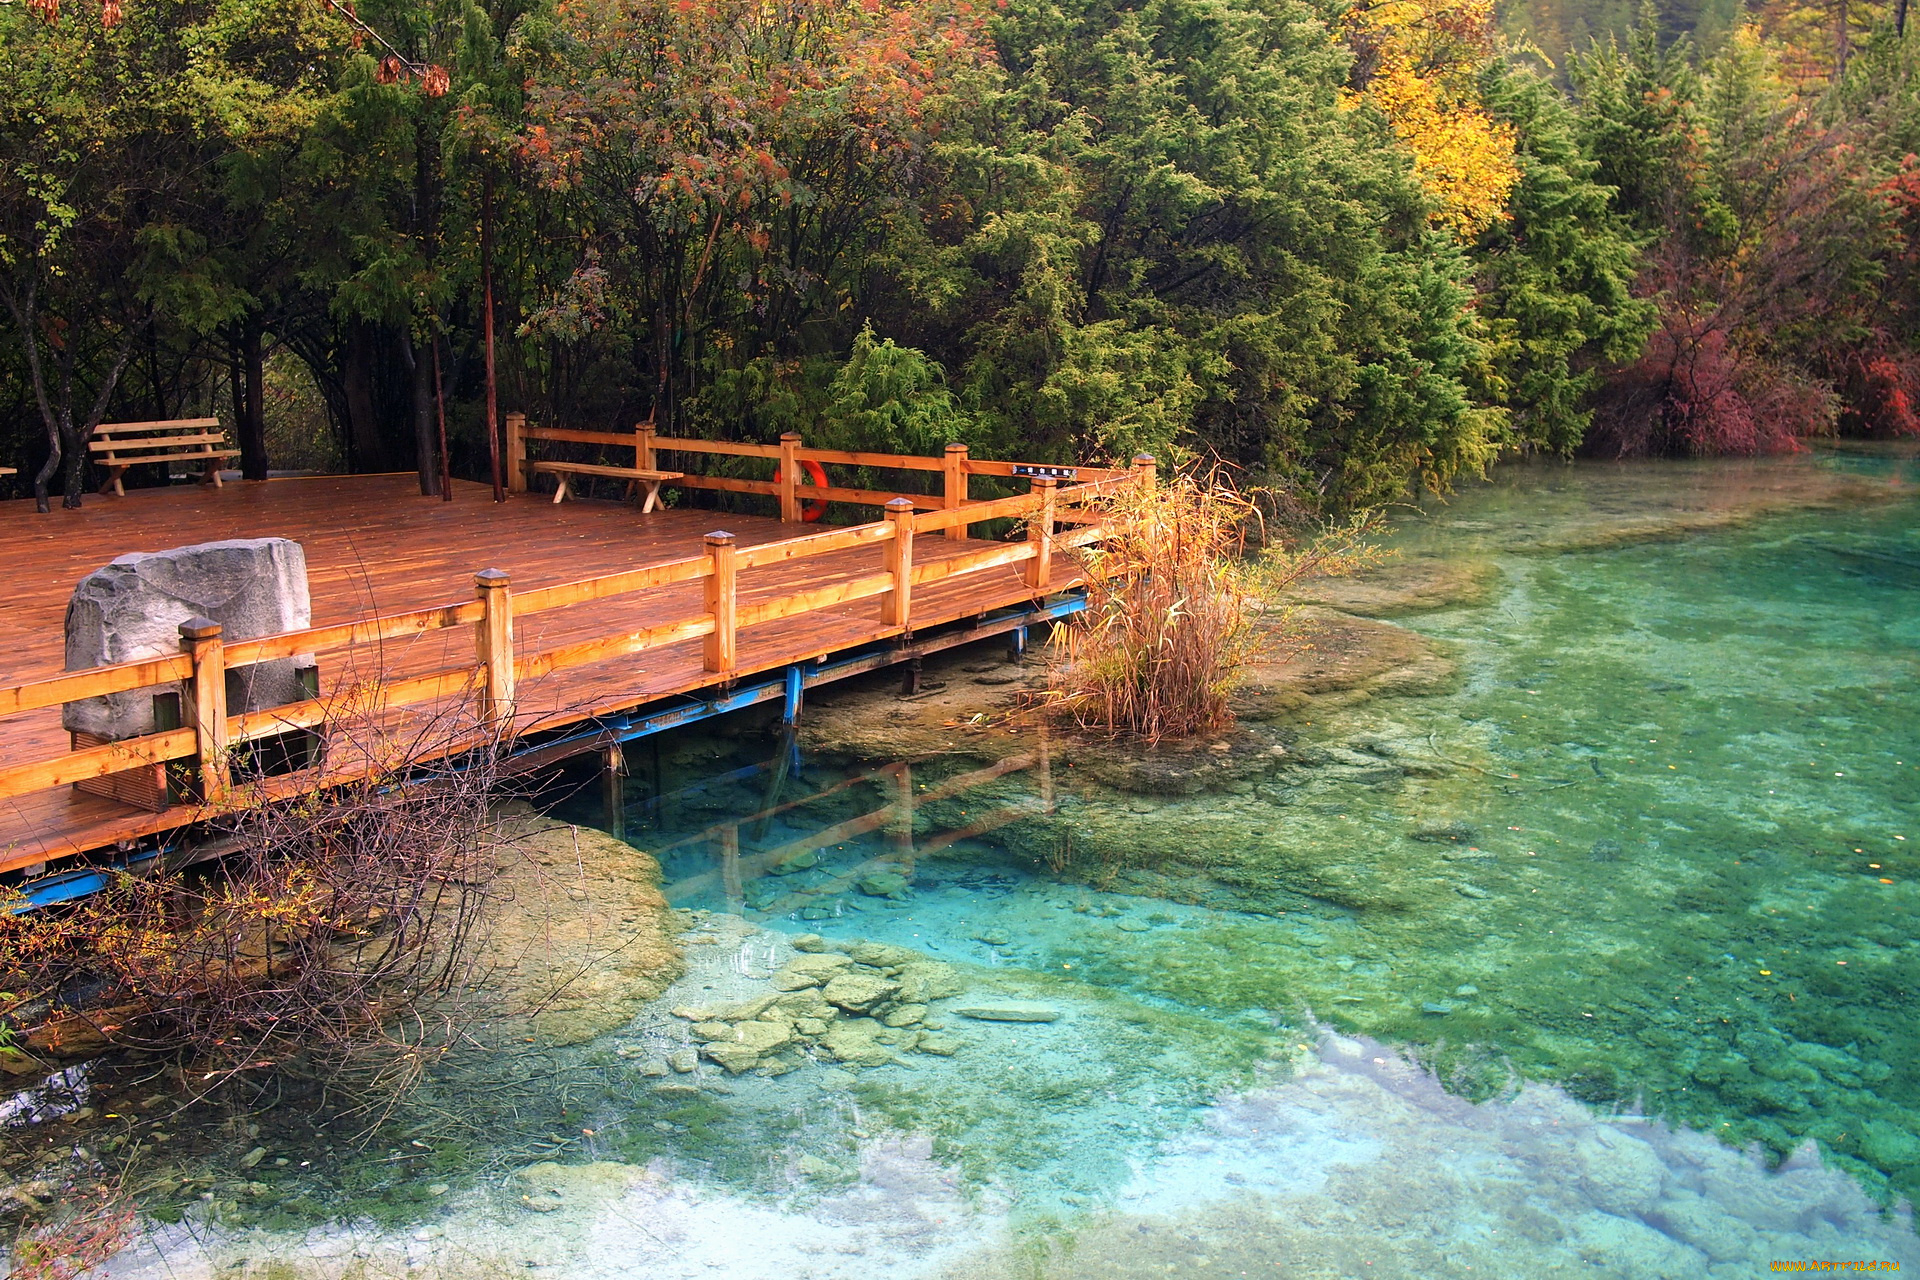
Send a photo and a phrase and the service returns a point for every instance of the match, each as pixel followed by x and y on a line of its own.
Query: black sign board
pixel 1055 473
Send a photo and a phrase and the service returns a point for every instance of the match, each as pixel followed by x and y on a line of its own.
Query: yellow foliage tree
pixel 1418 62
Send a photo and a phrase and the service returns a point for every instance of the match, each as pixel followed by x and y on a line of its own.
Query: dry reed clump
pixel 1180 598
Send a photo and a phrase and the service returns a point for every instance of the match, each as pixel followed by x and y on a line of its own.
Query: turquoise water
pixel 1597 958
pixel 1676 859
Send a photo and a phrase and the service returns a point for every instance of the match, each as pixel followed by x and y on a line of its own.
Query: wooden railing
pixel 955 466
pixel 488 683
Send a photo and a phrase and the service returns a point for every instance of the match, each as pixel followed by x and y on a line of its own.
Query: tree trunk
pixel 426 441
pixel 250 391
pixel 363 426
pixel 73 472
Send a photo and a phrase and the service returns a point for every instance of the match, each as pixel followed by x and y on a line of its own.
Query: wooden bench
pixel 119 445
pixel 642 474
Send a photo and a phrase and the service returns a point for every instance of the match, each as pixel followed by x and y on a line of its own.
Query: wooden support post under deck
pixel 206 707
pixel 789 477
pixel 613 791
pixel 723 601
pixel 956 488
pixel 1040 568
pixel 516 453
pixel 896 607
pixel 493 645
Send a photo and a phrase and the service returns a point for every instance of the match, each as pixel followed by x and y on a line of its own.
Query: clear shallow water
pixel 1389 1000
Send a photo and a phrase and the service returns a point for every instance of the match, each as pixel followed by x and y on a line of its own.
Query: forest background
pixel 1351 246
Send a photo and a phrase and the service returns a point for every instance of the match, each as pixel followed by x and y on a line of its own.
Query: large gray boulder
pixel 133 609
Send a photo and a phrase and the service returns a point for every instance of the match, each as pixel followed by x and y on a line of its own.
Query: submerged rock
pixel 749 1042
pixel 822 965
pixel 854 1041
pixel 882 955
pixel 883 884
pixel 1009 1011
pixel 922 981
pixel 859 992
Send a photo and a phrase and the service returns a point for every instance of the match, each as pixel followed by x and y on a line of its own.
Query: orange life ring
pixel 811 508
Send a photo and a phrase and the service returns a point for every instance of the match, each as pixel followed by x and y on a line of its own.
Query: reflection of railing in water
pixel 734 868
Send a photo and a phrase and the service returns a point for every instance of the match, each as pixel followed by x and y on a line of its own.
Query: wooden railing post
pixel 789 477
pixel 723 601
pixel 896 607
pixel 1144 468
pixel 956 488
pixel 643 448
pixel 1040 568
pixel 516 453
pixel 206 707
pixel 493 645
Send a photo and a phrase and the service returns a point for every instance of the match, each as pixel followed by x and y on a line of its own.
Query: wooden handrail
pixel 881 461
pixel 345 635
pixel 815 544
pixel 974 562
pixel 585 652
pixel 976 512
pixel 366 698
pixel 729 484
pixel 560 596
pixel 867 497
pixel 686 444
pixel 94 682
pixel 96 762
pixel 861 588
pixel 568 435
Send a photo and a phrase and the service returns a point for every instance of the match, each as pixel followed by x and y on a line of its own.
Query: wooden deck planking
pixel 374 546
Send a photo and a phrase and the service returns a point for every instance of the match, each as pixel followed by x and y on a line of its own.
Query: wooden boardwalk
pixel 601 609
